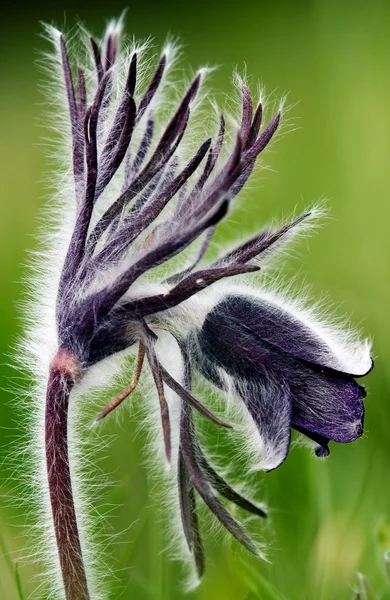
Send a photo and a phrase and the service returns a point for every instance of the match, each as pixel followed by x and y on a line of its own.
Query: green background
pixel 329 519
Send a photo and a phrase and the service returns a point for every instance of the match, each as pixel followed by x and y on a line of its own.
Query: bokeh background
pixel 330 519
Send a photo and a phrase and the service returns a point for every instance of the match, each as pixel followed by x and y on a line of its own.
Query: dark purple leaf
pixel 262 141
pixel 223 488
pixel 247 114
pixel 144 145
pixel 261 243
pixel 163 152
pixel 202 486
pixel 139 222
pixel 255 127
pixel 97 59
pixel 189 286
pixel 189 516
pixel 153 86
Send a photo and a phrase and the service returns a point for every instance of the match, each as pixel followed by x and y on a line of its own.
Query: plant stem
pixel 64 372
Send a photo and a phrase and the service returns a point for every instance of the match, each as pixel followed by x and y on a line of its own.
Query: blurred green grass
pixel 329 519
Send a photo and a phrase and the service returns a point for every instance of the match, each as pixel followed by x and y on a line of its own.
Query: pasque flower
pixel 287 374
pixel 140 200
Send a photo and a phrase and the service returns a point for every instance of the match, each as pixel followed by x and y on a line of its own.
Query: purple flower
pixel 142 201
pixel 285 371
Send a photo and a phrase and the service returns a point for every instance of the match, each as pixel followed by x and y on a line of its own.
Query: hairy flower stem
pixel 64 372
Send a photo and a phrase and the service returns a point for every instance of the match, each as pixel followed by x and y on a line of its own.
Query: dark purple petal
pixel 322 449
pixel 269 403
pixel 326 403
pixel 284 331
pixel 228 343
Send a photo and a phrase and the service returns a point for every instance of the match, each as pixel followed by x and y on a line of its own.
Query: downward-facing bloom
pixel 289 374
pixel 141 199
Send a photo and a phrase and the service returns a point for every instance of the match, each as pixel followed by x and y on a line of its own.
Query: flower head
pixel 287 373
pixel 139 204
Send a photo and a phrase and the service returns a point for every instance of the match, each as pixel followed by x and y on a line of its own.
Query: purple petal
pixel 327 403
pixel 269 403
pixel 225 342
pixel 284 331
pixel 321 449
